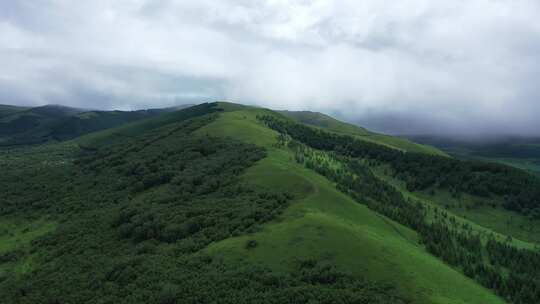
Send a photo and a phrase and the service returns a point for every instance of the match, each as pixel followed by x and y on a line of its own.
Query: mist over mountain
pixel 415 67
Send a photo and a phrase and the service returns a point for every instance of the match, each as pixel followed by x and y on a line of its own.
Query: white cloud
pixel 467 66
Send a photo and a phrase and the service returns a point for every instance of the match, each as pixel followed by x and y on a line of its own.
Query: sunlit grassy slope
pixel 325 224
pixel 15 235
pixel 330 124
pixel 482 217
pixel 485 220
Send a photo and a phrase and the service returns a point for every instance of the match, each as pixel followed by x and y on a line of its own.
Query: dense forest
pixel 132 218
pixel 127 215
pixel 519 190
pixel 512 273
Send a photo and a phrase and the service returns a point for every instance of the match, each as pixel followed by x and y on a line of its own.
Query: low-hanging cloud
pixel 417 66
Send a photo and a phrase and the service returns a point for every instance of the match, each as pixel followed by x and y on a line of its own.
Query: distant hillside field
pixel 6 110
pixel 334 125
pixel 29 126
pixel 523 152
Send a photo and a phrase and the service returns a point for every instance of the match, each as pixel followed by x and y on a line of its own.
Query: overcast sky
pixel 416 66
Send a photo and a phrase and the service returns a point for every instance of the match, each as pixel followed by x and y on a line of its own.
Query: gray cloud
pixel 418 66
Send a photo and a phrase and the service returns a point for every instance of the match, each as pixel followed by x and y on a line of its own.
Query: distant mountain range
pixel 35 125
pixel 520 152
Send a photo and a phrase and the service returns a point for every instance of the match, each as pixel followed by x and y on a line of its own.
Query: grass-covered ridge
pixel 327 225
pixel 496 264
pixel 331 124
pixel 134 215
pixel 233 204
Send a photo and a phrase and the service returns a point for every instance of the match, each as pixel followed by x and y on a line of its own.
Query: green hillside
pixel 6 110
pixel 52 123
pixel 224 203
pixel 334 125
pixel 20 125
pixel 327 225
pixel 519 152
pixel 130 130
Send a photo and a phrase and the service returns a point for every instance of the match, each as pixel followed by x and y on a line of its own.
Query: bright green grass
pixel 242 125
pixel 326 224
pixel 484 220
pixel 498 219
pixel 16 234
pixel 504 222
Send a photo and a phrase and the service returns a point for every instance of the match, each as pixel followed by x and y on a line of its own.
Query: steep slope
pixel 226 203
pixel 334 125
pixel 127 223
pixel 327 225
pixel 496 261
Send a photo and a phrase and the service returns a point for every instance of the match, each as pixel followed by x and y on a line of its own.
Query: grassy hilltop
pixel 227 203
pixel 325 224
